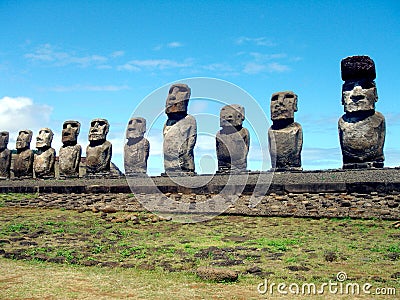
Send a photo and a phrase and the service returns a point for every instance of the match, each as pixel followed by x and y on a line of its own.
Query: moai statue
pixel 5 155
pixel 361 128
pixel 285 137
pixel 232 141
pixel 44 159
pixel 70 152
pixel 99 150
pixel 23 161
pixel 180 133
pixel 136 150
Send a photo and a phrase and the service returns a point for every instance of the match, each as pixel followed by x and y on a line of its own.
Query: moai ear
pixel 295 103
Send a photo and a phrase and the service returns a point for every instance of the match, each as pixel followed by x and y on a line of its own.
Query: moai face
pixel 359 95
pixel 44 138
pixel 283 105
pixel 24 139
pixel 98 130
pixel 136 128
pixel 4 137
pixel 70 131
pixel 178 98
pixel 231 115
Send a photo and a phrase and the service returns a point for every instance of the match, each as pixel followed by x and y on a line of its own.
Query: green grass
pixel 365 249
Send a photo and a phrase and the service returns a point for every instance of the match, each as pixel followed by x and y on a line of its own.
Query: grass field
pixel 61 254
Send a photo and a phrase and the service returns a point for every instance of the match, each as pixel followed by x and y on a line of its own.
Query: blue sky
pixel 82 60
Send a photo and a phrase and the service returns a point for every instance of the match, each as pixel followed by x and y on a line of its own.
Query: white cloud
pixel 254 68
pixel 92 88
pixel 260 41
pixel 48 54
pixel 17 113
pixel 174 45
pixel 118 53
pixel 161 64
pixel 263 57
pixel 277 67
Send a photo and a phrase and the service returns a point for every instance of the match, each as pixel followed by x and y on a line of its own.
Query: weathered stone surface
pixel 70 152
pixel 216 274
pixel 99 150
pixel 44 159
pixel 23 161
pixel 5 155
pixel 362 140
pixel 180 132
pixel 361 129
pixel 285 137
pixel 136 150
pixel 232 141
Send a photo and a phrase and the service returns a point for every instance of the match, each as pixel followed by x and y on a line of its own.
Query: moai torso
pixel 285 136
pixel 288 144
pixel 43 163
pixel 99 150
pixel 180 133
pixel 178 145
pixel 232 141
pixel 70 152
pixel 136 150
pixel 69 159
pixel 136 156
pixel 362 140
pixel 44 159
pixel 23 159
pixel 361 129
pixel 5 156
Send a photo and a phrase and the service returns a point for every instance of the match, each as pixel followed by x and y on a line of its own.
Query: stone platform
pixel 369 193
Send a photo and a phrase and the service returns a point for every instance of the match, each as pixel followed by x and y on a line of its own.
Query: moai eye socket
pixel 130 122
pixel 290 96
pixel 275 98
pixel 139 121
pixel 4 134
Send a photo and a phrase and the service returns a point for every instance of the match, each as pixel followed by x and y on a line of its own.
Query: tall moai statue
pixel 285 136
pixel 232 141
pixel 23 159
pixel 44 159
pixel 5 155
pixel 180 133
pixel 99 150
pixel 361 128
pixel 70 152
pixel 136 150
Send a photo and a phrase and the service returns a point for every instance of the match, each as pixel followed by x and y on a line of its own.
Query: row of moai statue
pixel 41 163
pixel 361 135
pixel 361 129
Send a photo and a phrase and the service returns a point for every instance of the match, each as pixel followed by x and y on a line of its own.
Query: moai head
pixel 283 105
pixel 44 138
pixel 136 128
pixel 98 130
pixel 359 90
pixel 231 115
pixel 178 98
pixel 4 137
pixel 70 132
pixel 24 139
